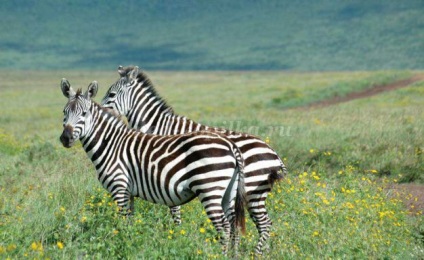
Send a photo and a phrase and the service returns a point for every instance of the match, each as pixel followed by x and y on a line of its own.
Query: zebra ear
pixel 132 75
pixel 92 90
pixel 122 71
pixel 66 88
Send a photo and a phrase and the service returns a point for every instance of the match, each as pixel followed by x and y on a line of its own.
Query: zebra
pixel 135 97
pixel 168 170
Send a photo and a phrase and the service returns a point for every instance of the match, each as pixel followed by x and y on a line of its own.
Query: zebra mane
pixel 73 102
pixel 148 84
pixel 79 93
pixel 109 112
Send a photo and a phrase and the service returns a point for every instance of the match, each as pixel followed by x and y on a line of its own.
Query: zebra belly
pixel 184 196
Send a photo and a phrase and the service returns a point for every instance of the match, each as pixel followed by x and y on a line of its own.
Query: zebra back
pixel 135 96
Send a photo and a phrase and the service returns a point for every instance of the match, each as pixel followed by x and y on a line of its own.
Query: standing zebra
pixel 169 170
pixel 134 96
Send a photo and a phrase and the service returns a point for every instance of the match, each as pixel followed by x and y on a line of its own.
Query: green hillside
pixel 212 35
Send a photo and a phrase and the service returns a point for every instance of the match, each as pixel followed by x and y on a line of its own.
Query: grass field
pixel 337 202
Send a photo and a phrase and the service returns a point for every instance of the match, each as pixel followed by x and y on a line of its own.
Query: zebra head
pixel 117 97
pixel 77 118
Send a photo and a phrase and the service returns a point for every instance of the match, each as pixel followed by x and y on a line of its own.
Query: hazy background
pixel 303 35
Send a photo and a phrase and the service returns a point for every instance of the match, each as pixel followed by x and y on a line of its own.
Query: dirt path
pixel 411 194
pixel 367 92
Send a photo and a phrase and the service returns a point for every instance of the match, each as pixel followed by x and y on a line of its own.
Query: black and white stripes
pixel 169 170
pixel 134 96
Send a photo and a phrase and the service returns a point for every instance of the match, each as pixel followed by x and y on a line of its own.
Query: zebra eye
pixel 112 94
pixel 84 113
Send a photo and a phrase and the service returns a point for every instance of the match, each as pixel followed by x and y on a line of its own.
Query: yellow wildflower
pixel 60 245
pixel 349 205
pixel 37 246
pixel 11 247
pixel 202 230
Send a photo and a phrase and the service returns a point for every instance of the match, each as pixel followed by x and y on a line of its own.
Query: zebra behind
pixel 135 97
pixel 168 170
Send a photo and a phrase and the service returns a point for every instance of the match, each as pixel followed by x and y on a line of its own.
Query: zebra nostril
pixel 67 136
pixel 64 139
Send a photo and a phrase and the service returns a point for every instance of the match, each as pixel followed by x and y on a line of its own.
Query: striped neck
pixel 105 134
pixel 148 112
pixel 161 121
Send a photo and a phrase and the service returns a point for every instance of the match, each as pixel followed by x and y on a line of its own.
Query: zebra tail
pixel 277 175
pixel 241 200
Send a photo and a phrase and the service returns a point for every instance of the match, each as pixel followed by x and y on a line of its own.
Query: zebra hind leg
pixel 235 238
pixel 259 215
pixel 234 231
pixel 226 227
pixel 263 224
pixel 221 224
pixel 176 214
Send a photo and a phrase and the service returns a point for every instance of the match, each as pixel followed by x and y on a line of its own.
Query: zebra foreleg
pixel 176 214
pixel 125 203
pixel 131 207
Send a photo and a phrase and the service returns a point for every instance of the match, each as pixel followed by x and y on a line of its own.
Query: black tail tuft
pixel 277 175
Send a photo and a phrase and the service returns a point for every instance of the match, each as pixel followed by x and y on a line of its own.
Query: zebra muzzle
pixel 66 138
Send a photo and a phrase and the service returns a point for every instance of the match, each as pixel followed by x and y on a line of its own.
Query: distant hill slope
pixel 212 35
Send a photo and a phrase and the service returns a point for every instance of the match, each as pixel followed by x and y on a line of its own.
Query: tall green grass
pixel 337 202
